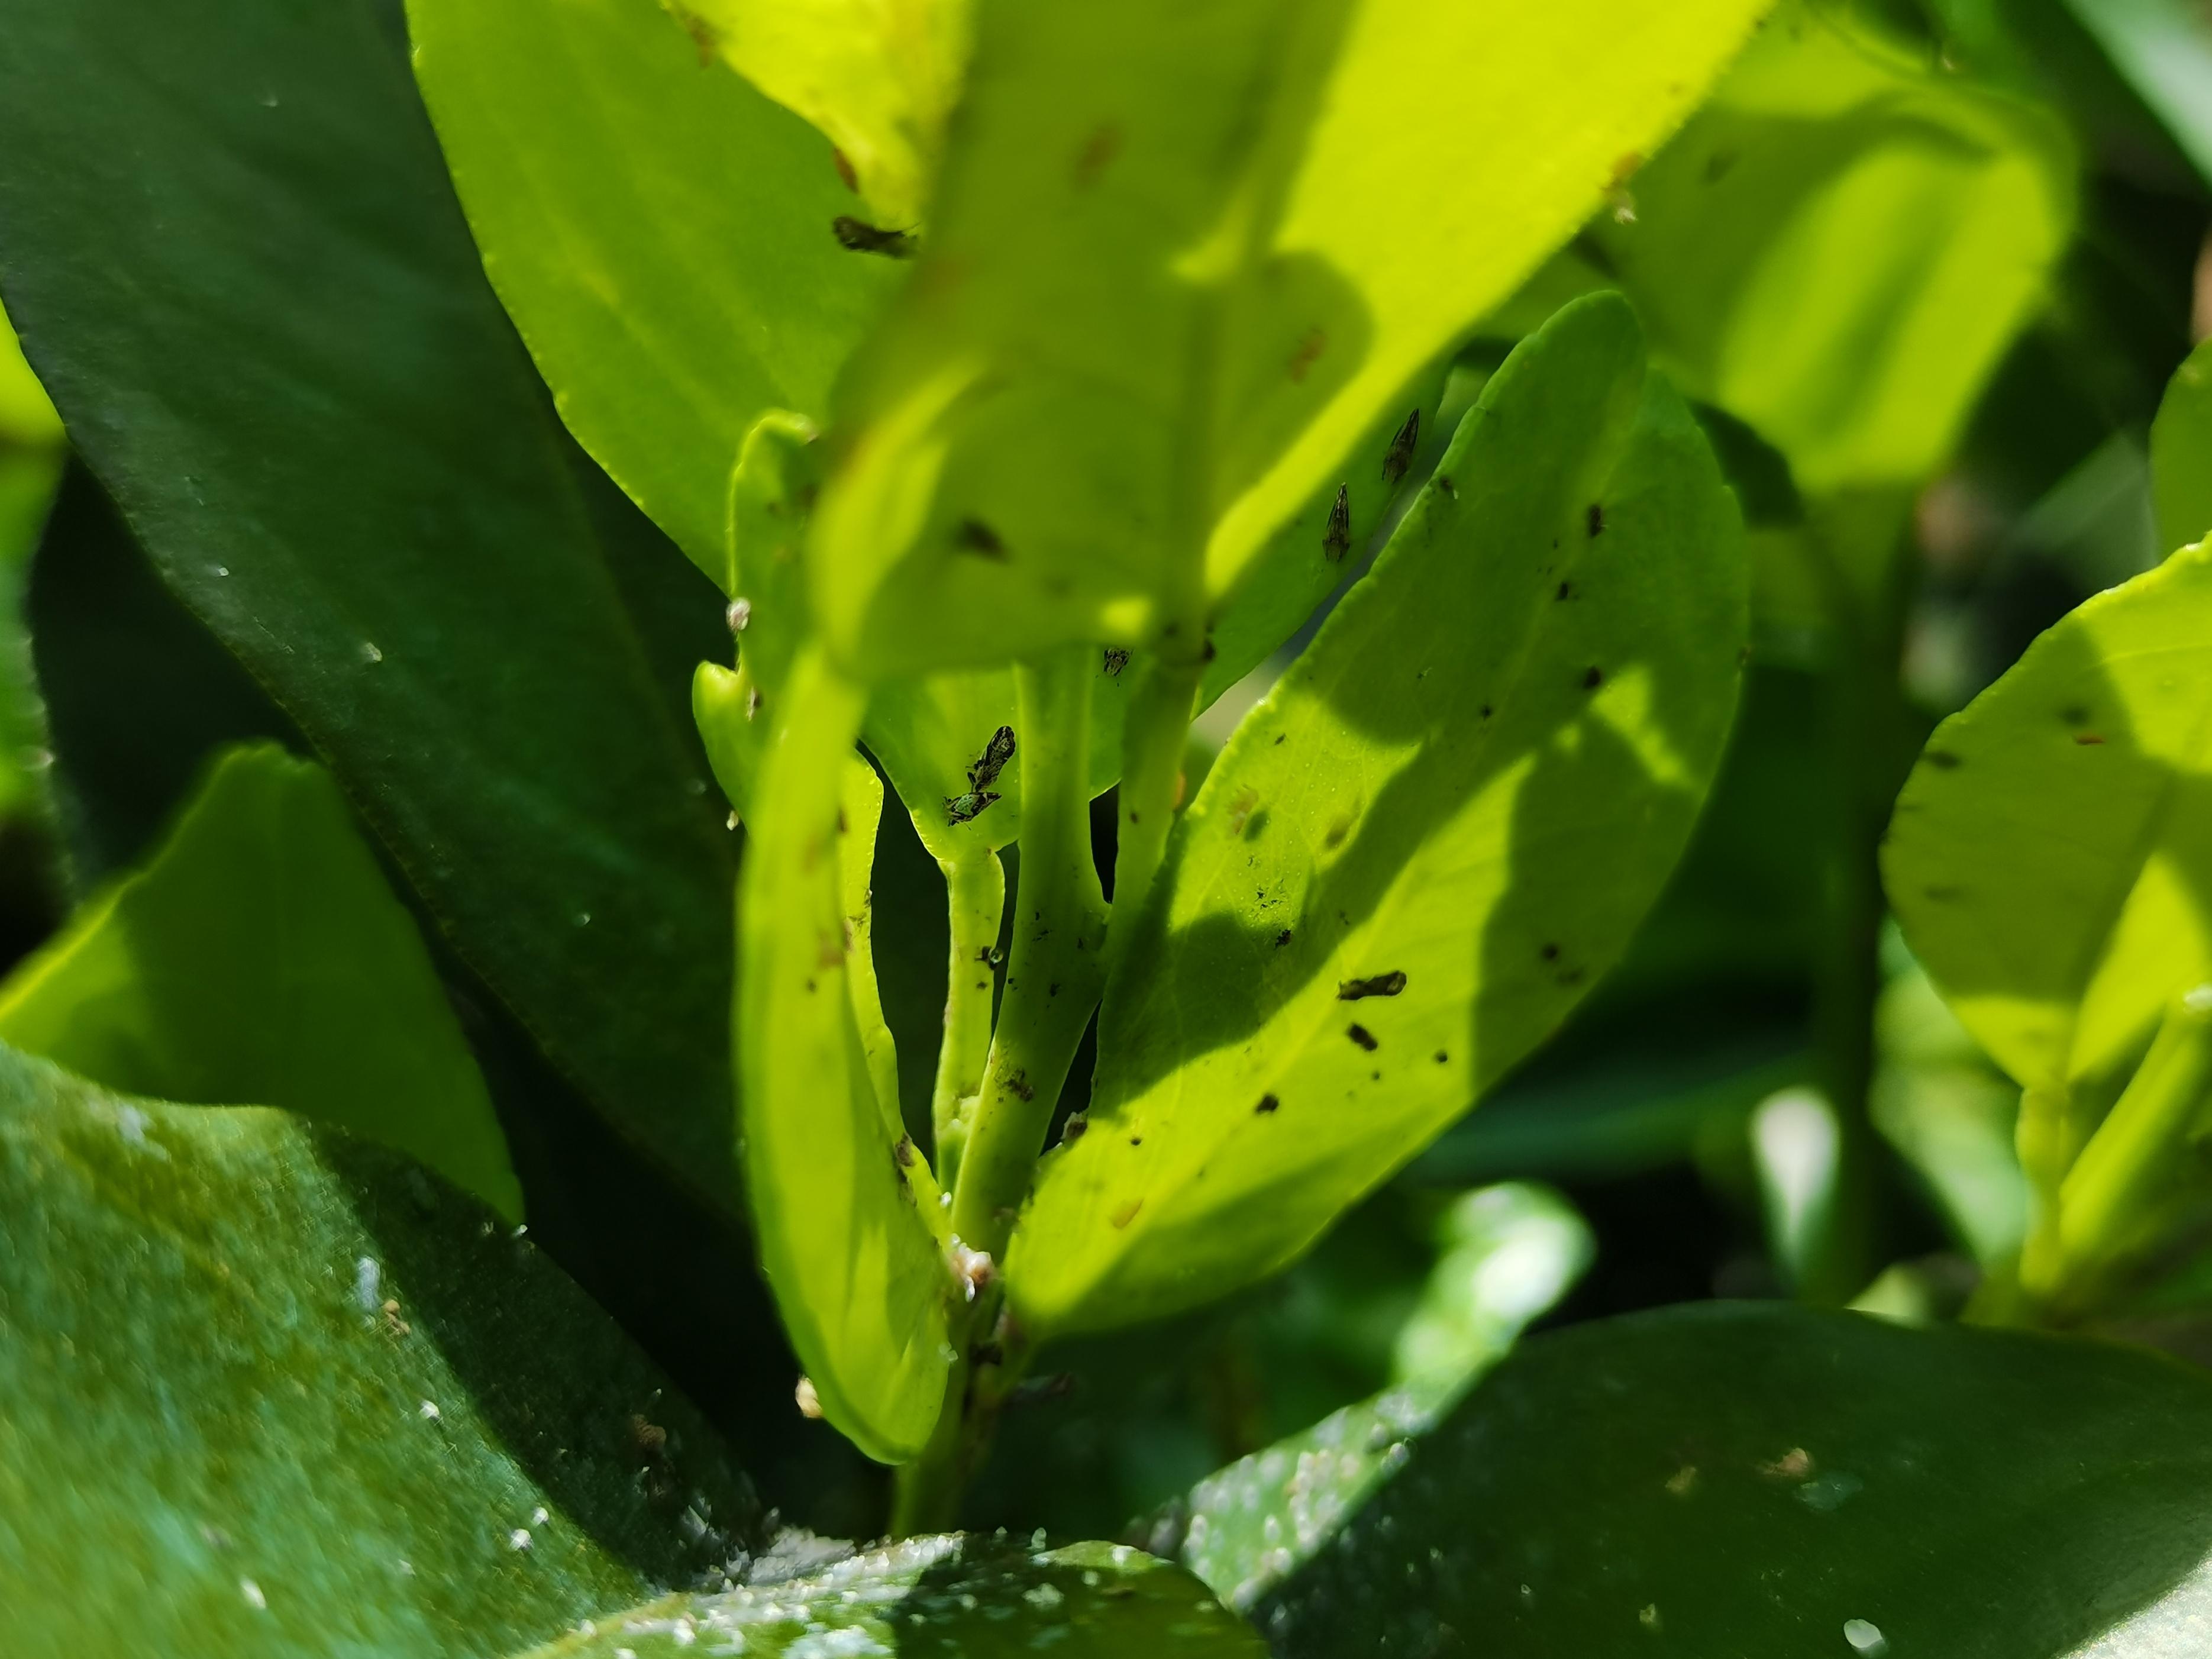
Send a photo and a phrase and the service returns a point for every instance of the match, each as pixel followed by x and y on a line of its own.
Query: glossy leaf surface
pixel 2051 856
pixel 844 1213
pixel 659 230
pixel 336 455
pixel 1420 853
pixel 947 1597
pixel 273 1392
pixel 260 955
pixel 1758 1478
pixel 1178 264
pixel 2181 455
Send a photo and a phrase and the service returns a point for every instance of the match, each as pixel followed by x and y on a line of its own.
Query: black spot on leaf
pixel 1362 1036
pixel 1377 985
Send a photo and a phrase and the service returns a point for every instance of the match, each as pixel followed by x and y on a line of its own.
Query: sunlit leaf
pixel 970 1597
pixel 2051 856
pixel 275 1392
pixel 1753 1479
pixel 1177 264
pixel 1420 852
pixel 878 77
pixel 2181 454
pixel 260 957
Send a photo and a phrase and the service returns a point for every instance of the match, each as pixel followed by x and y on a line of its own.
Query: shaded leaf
pixel 258 956
pixel 1417 855
pixel 2163 50
pixel 335 454
pixel 1176 266
pixel 275 1392
pixel 2051 856
pixel 2181 455
pixel 1747 1479
pixel 972 1598
pixel 659 230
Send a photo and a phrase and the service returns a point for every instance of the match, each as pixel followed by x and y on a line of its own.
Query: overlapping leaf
pixel 2181 454
pixel 1421 851
pixel 1177 263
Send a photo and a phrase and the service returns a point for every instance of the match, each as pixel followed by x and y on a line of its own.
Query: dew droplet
pixel 1865 1637
pixel 254 1598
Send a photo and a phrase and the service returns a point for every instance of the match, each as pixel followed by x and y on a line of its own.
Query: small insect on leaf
pixel 862 237
pixel 1379 984
pixel 1115 661
pixel 1336 541
pixel 963 809
pixel 1594 518
pixel 993 761
pixel 1400 453
pixel 973 536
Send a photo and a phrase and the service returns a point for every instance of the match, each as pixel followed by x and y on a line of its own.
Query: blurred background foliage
pixel 1925 266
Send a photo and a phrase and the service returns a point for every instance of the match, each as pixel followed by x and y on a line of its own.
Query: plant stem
pixel 1057 968
pixel 1152 741
pixel 976 892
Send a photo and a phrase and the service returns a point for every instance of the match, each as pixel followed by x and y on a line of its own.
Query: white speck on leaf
pixel 519 1538
pixel 254 1598
pixel 1865 1637
pixel 369 653
pixel 367 1279
pixel 538 1516
pixel 430 1411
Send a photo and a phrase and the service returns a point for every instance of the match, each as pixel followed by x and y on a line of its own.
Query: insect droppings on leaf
pixel 859 236
pixel 1399 455
pixel 973 536
pixel 1018 1084
pixel 1268 1104
pixel 1113 661
pixel 1336 540
pixel 1943 760
pixel 1566 590
pixel 1442 1058
pixel 1282 939
pixel 1375 985
pixel 1595 519
pixel 1593 678
pixel 1362 1036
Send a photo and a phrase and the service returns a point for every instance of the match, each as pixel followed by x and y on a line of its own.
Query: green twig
pixel 1153 736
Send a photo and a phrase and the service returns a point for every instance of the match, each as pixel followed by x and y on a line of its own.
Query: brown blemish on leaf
pixel 1124 1213
pixel 1309 348
pixel 1104 145
pixel 843 163
pixel 2089 739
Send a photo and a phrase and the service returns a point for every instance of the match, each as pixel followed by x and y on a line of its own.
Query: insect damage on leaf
pixel 1336 541
pixel 861 237
pixel 1378 985
pixel 1400 455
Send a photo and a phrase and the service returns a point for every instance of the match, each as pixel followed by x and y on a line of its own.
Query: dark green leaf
pixel 1743 1479
pixel 260 956
pixel 313 415
pixel 2181 455
pixel 272 1392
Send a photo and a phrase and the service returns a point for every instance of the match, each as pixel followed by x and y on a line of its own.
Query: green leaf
pixel 845 1211
pixel 1841 247
pixel 2163 50
pixel 258 956
pixel 971 1597
pixel 879 81
pixel 1754 1480
pixel 26 417
pixel 274 1392
pixel 1421 851
pixel 336 454
pixel 1176 267
pixel 2181 454
pixel 659 230
pixel 2051 856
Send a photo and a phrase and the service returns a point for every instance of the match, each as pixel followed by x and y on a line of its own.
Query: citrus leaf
pixel 335 454
pixel 2050 858
pixel 1745 1478
pixel 1176 266
pixel 659 231
pixel 2181 454
pixel 968 1597
pixel 1421 851
pixel 843 1207
pixel 275 1392
pixel 260 956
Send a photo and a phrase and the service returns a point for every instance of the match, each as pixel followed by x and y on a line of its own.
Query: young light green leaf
pixel 273 1392
pixel 659 231
pixel 2181 454
pixel 2051 856
pixel 976 1597
pixel 1421 851
pixel 1754 1478
pixel 1177 266
pixel 1842 244
pixel 878 77
pixel 260 956
pixel 844 1210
